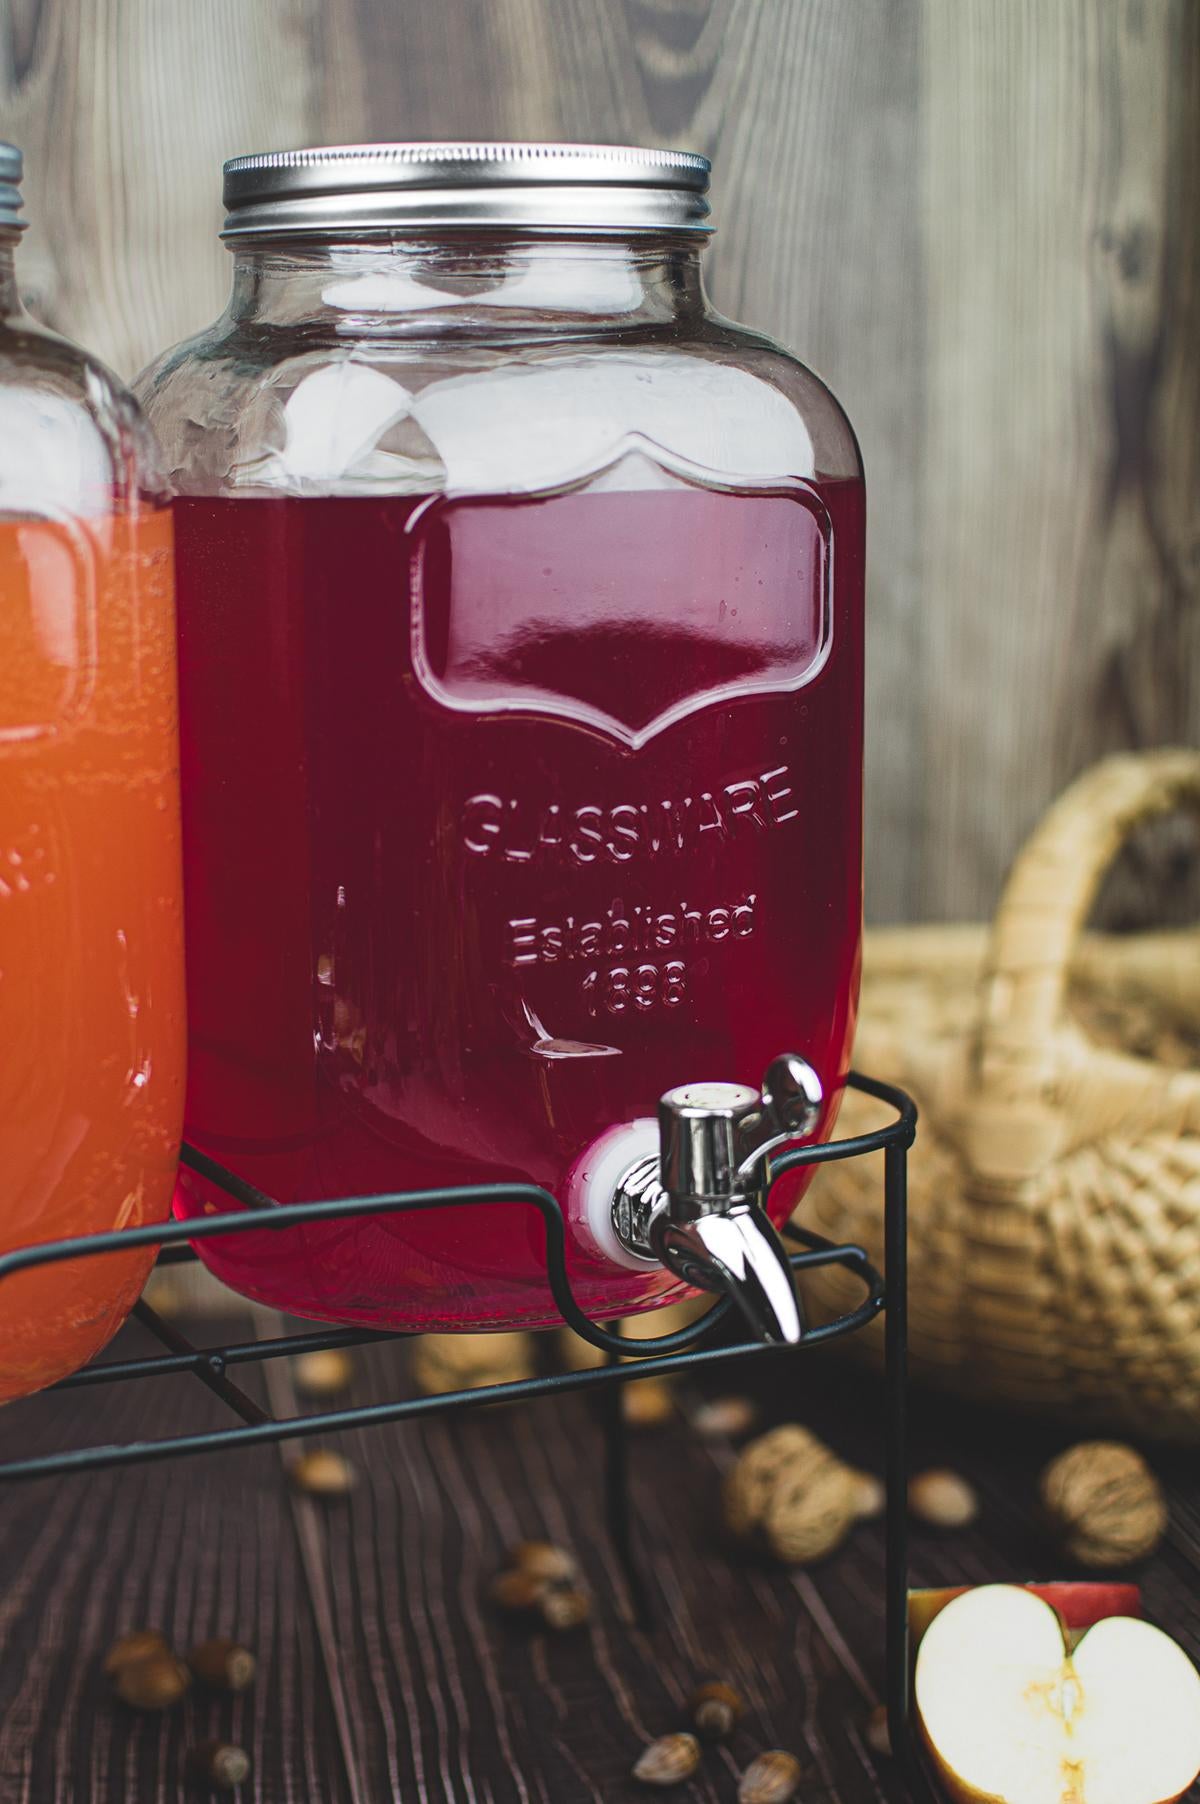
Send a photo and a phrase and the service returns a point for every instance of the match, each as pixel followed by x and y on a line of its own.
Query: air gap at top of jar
pixel 520 606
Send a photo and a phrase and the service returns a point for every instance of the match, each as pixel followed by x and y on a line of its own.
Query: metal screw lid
pixel 11 169
pixel 538 188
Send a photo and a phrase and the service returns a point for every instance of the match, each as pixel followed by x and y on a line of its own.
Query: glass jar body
pixel 521 681
pixel 91 966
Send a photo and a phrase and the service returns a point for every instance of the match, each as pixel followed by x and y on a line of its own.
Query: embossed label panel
pixel 620 619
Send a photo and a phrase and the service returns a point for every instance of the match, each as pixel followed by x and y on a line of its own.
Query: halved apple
pixel 1011 1716
pixel 1081 1603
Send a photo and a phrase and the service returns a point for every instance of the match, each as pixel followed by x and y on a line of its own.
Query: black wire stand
pixel 683 1351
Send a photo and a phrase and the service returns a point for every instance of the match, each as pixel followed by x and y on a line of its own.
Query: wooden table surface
pixel 385 1674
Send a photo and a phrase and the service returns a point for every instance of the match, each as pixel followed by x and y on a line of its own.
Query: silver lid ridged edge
pixel 607 188
pixel 12 165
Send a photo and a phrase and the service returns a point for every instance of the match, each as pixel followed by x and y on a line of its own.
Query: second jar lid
pixel 11 169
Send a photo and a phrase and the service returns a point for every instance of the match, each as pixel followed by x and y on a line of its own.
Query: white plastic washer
pixel 592 1182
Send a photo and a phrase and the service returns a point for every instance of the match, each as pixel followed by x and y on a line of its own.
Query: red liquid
pixel 499 821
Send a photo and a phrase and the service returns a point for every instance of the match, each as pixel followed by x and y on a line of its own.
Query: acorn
pixel 223 1664
pixel 724 1418
pixel 132 1646
pixel 668 1761
pixel 648 1403
pixel 543 1560
pixel 325 1372
pixel 716 1709
pixel 772 1778
pixel 220 1764
pixel 562 1607
pixel 943 1499
pixel 323 1473
pixel 517 1591
pixel 879 1736
pixel 154 1683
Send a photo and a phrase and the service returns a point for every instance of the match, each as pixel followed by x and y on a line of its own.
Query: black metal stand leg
pixel 896 1349
pixel 616 1498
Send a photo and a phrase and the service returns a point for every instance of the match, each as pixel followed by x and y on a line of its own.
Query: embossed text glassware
pixel 521 681
pixel 91 930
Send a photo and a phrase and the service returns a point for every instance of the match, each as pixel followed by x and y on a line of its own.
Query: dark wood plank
pixel 441 1699
pixel 193 1549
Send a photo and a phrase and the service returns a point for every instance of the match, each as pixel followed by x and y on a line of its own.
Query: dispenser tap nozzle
pixel 706 1221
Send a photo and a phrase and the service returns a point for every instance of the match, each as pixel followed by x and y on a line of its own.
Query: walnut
pixel 465 1362
pixel 789 1491
pixel 1104 1504
pixel 754 1474
pixel 810 1511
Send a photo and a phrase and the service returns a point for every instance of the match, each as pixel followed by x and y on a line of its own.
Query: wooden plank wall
pixel 977 218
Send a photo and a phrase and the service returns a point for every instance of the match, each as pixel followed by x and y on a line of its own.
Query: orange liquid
pixel 91 940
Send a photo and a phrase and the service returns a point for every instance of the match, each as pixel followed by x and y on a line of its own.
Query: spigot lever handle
pixel 791 1107
pixel 715 1138
pixel 792 1095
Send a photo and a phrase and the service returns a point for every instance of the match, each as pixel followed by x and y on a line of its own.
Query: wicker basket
pixel 1055 1183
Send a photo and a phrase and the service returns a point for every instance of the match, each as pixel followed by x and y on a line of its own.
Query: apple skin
pixel 1079 1604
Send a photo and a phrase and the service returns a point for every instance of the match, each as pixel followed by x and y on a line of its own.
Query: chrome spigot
pixel 702 1212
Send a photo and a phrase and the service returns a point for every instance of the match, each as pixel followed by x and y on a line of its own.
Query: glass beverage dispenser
pixel 91 929
pixel 521 685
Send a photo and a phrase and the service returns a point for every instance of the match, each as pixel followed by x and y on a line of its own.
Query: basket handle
pixel 1046 902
